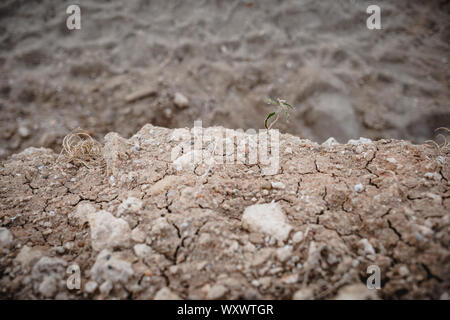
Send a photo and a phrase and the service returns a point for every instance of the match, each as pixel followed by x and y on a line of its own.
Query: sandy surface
pixel 143 228
pixel 226 57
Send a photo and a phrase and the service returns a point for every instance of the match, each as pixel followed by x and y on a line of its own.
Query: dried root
pixel 79 148
pixel 443 148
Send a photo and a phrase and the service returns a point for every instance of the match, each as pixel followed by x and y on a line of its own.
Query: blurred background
pixel 171 62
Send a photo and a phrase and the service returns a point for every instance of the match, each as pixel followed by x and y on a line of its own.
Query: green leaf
pixel 268 117
pixel 271 101
pixel 288 105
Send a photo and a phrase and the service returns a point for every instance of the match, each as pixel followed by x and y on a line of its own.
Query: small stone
pixel 266 185
pixel 141 93
pixel 82 212
pixel 108 231
pixel 142 250
pixel 368 249
pixel 403 271
pixel 204 239
pixel 148 273
pixel 445 296
pixel 278 185
pixel 418 236
pixel 6 238
pixel 303 294
pixel 24 132
pixel 262 256
pixel 180 100
pixel 356 292
pixel 130 205
pixel 69 245
pixel 137 235
pixel 166 294
pixel 283 254
pixel 433 176
pixel 217 292
pixel 167 113
pixel 329 142
pixel 90 286
pixel 173 270
pixel 256 238
pixel 186 161
pixel 27 255
pixel 424 230
pixel 47 274
pixel 48 287
pixel 359 187
pixel 265 282
pixel 290 278
pixel 359 141
pixel 256 283
pixel 106 287
pixel 267 218
pixel 201 265
pixel 441 160
pixel 112 268
pixel 59 249
pixel 297 237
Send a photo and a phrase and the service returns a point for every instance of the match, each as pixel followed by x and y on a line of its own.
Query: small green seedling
pixel 283 107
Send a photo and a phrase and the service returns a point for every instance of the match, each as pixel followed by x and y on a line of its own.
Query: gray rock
pixel 166 294
pixel 109 267
pixel 90 286
pixel 267 218
pixel 180 100
pixel 108 231
pixel 6 238
pixel 47 275
pixel 27 255
pixel 217 292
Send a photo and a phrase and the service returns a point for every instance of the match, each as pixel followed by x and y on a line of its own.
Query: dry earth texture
pixel 141 227
pixel 131 59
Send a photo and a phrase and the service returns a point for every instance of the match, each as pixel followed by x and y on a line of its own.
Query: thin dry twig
pixel 443 148
pixel 79 148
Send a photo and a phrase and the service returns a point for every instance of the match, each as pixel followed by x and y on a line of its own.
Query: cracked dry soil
pixel 142 229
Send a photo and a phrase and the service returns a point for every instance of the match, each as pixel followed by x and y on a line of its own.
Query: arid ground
pixel 139 226
pixel 145 227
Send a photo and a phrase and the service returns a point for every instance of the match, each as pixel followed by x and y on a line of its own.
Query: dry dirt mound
pixel 143 227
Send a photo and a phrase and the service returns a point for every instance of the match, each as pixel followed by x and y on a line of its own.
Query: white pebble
pixel 359 187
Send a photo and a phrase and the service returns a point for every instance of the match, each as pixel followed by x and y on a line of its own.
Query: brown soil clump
pixel 144 228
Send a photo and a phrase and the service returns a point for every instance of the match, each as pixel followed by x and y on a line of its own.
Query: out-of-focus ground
pixel 226 58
